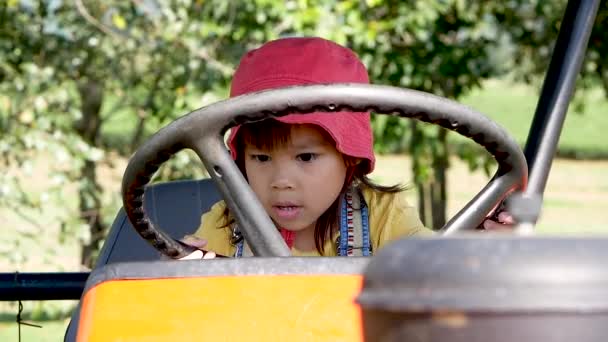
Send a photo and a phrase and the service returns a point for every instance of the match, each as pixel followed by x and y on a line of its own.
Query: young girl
pixel 309 171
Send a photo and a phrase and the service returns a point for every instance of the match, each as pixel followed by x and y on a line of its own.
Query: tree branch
pixel 18 210
pixel 89 18
pixel 215 63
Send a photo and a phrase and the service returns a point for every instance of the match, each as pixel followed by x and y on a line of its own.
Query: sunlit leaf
pixel 119 21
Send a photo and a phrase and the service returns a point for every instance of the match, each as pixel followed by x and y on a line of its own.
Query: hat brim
pixel 349 139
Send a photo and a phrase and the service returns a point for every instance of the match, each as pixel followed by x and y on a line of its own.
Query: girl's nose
pixel 282 180
pixel 282 184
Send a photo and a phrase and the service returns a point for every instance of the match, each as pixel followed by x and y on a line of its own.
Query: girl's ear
pixel 351 162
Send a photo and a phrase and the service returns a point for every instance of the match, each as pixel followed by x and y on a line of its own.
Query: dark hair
pixel 271 134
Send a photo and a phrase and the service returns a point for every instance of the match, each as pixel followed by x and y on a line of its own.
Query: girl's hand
pixel 197 243
pixel 505 223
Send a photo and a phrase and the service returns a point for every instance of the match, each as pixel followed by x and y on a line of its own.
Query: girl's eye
pixel 307 157
pixel 260 157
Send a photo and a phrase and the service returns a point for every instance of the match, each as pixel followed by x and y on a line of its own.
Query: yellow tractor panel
pixel 224 308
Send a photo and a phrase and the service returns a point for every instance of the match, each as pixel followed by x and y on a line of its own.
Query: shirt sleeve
pixel 213 229
pixel 391 217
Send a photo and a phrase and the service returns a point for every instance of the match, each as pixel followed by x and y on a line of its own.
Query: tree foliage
pixel 532 27
pixel 70 68
pixel 442 47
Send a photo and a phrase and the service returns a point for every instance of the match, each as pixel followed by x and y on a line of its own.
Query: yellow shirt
pixel 390 218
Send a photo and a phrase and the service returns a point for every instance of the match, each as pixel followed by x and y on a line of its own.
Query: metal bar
pixel 558 86
pixel 42 286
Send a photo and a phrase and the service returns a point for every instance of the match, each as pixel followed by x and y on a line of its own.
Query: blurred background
pixel 84 83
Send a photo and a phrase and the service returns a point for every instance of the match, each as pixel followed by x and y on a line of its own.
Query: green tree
pixel 448 48
pixel 532 27
pixel 441 47
pixel 69 68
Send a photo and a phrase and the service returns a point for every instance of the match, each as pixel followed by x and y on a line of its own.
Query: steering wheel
pixel 202 131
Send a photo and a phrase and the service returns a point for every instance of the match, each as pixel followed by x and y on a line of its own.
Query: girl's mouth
pixel 287 212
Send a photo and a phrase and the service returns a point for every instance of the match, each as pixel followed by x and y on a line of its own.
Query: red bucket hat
pixel 300 61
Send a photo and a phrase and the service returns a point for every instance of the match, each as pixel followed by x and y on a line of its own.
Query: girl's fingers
pixel 506 218
pixel 490 225
pixel 198 243
pixel 505 222
pixel 194 241
pixel 497 227
pixel 194 255
pixel 209 255
pixel 198 255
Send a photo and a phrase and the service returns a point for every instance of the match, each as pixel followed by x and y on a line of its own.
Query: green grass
pixel 51 331
pixel 52 317
pixel 512 106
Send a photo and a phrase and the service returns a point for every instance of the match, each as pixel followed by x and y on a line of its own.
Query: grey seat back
pixel 176 207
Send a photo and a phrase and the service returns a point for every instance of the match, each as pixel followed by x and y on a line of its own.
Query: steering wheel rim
pixel 202 131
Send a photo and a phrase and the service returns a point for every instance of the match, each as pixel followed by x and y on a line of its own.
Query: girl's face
pixel 296 181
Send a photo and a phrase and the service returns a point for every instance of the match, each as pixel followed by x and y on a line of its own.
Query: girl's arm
pixel 212 237
pixel 391 217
